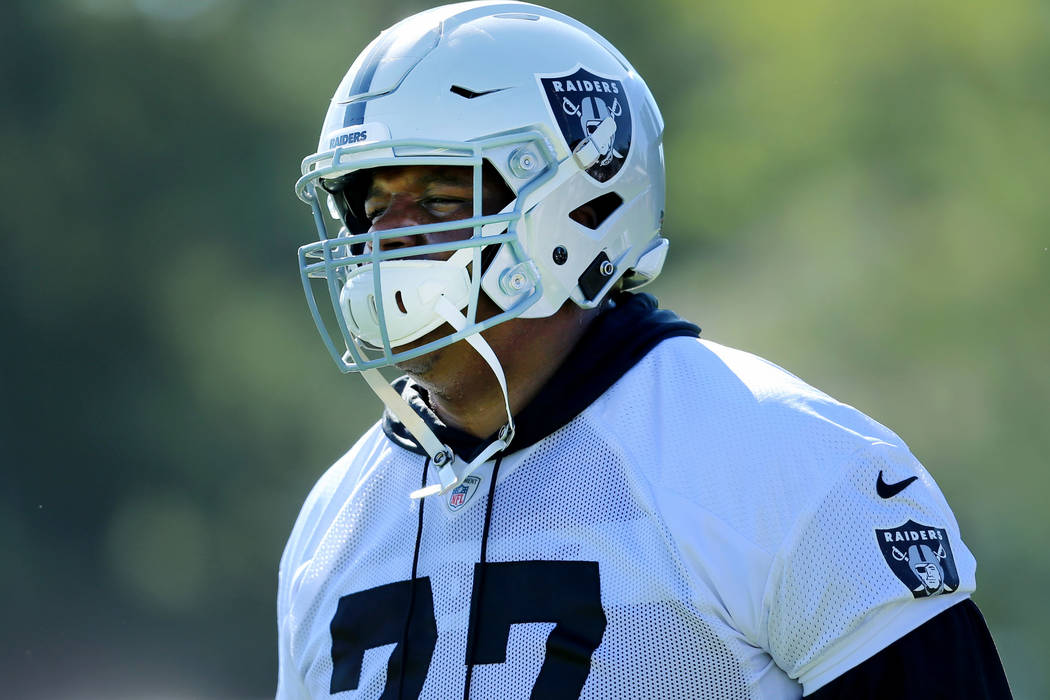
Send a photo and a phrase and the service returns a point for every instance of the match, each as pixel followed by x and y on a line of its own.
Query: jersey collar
pixel 615 342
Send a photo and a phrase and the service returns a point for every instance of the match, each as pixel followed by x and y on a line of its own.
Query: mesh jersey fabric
pixel 729 514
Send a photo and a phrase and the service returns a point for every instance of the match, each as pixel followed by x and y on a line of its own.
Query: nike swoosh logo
pixel 470 94
pixel 890 490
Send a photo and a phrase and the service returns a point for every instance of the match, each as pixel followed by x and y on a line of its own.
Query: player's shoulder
pixel 711 371
pixel 704 370
pixel 738 435
pixel 333 488
pixel 736 400
pixel 350 467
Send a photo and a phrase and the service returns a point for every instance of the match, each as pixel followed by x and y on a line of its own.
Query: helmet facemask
pixel 383 299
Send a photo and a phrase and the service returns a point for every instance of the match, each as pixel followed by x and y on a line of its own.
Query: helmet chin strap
pixel 441 455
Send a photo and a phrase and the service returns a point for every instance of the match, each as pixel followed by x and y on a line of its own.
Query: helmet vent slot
pixel 593 214
pixel 400 302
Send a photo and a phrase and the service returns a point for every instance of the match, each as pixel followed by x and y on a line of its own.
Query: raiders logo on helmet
pixel 594 117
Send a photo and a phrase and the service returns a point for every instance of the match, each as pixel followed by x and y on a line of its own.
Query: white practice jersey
pixel 711 527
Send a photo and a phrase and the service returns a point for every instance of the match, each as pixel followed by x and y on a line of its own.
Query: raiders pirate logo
pixel 463 493
pixel 594 117
pixel 921 558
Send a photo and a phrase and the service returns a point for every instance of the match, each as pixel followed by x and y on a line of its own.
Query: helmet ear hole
pixel 502 192
pixel 346 195
pixel 593 214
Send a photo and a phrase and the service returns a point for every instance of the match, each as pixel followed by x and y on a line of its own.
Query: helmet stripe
pixel 355 111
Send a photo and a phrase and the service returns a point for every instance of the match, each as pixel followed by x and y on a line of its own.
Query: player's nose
pixel 400 213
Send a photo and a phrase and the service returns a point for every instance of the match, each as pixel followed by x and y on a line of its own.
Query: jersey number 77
pixel 567 593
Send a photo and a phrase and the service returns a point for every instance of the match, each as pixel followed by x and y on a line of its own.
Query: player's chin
pixel 420 366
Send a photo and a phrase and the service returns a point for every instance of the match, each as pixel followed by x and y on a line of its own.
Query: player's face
pixel 415 195
pixel 428 194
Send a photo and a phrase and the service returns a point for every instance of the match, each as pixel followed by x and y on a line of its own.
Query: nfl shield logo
pixel 463 493
pixel 921 557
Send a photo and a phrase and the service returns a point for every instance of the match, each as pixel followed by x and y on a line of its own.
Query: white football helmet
pixel 540 98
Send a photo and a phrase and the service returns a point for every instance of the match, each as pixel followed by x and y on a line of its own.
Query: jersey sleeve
pixel 289 683
pixel 950 656
pixel 314 518
pixel 289 680
pixel 875 554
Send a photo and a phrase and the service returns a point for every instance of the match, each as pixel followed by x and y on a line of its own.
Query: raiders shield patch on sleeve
pixel 594 117
pixel 921 557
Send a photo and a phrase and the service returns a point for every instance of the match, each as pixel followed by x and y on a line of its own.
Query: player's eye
pixel 445 205
pixel 374 207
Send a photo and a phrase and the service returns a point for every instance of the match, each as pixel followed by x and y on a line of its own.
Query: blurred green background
pixel 856 191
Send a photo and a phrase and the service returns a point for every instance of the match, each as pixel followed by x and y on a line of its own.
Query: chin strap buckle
pixel 447 477
pixel 450 478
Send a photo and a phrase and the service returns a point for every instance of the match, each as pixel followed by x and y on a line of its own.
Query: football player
pixel 570 494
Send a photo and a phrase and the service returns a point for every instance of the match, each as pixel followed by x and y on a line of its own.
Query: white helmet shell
pixel 551 105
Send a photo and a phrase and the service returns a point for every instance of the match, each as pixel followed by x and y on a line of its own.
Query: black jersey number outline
pixel 375 617
pixel 567 593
